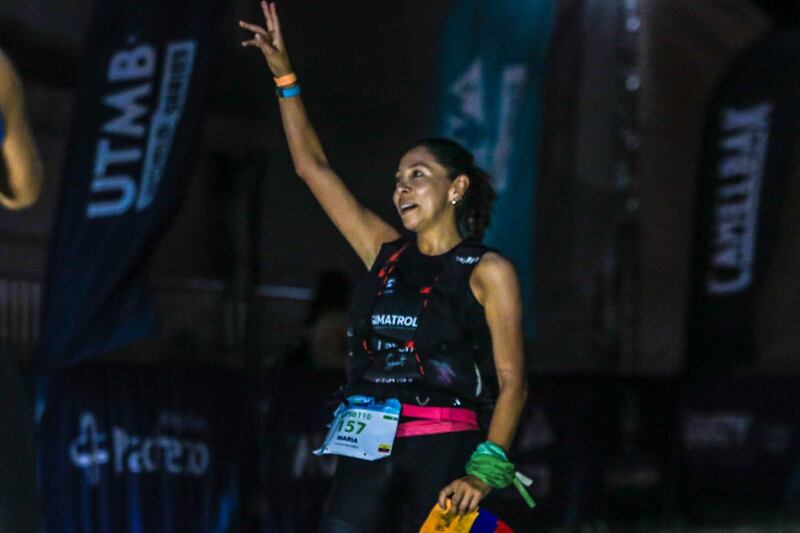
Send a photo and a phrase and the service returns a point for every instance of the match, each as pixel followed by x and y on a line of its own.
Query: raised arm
pixel 18 153
pixel 362 228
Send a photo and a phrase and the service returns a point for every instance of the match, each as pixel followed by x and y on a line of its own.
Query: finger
pixel 468 501
pixel 252 27
pixel 461 507
pixel 456 502
pixel 460 501
pixel 473 502
pixel 275 20
pixel 444 494
pixel 256 44
pixel 276 24
pixel 259 43
pixel 267 16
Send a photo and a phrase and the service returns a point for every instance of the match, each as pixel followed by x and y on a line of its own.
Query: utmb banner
pixel 750 140
pixel 130 153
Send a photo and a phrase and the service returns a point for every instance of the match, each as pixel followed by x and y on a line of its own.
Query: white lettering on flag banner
pixel 131 151
pixel 741 171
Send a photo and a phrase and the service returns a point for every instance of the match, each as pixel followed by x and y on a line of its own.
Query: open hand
pixel 269 41
pixel 465 494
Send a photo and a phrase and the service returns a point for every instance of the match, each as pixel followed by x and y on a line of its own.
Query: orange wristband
pixel 285 81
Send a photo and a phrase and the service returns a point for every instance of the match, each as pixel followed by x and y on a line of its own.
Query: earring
pixel 454 201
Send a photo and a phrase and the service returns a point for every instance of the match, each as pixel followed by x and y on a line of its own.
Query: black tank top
pixel 416 328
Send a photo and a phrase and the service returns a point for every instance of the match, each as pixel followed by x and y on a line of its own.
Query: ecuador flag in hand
pixel 480 521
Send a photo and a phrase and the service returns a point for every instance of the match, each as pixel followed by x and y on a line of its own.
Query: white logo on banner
pixel 122 143
pixel 739 176
pixel 135 454
pixel 468 123
pixel 87 450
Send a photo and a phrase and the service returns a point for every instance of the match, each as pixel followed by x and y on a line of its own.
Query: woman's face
pixel 422 190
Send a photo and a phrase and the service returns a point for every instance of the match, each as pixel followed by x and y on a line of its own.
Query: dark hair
pixel 474 209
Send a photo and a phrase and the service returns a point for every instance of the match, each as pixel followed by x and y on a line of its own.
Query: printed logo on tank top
pixel 396 321
pixel 467 260
pixel 389 288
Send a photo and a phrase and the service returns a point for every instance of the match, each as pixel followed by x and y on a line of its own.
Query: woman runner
pixel 417 322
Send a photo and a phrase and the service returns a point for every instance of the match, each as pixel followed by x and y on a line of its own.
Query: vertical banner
pixel 746 167
pixel 138 449
pixel 490 101
pixel 130 154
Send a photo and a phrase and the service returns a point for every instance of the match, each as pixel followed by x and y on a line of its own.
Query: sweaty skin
pixel 424 195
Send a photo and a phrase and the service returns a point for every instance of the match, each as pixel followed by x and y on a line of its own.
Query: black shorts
pixel 396 493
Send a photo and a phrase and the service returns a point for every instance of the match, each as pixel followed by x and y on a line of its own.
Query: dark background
pixel 235 272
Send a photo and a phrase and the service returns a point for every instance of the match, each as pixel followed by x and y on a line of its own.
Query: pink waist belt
pixel 436 420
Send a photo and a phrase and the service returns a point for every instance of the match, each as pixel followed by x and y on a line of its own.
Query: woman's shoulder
pixel 493 272
pixel 493 263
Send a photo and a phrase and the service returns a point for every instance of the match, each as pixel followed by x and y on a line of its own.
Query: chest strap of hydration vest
pixel 384 275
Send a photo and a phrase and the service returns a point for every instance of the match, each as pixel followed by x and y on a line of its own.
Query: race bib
pixel 362 428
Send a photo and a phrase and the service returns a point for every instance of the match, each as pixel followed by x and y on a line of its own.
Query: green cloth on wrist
pixel 490 464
